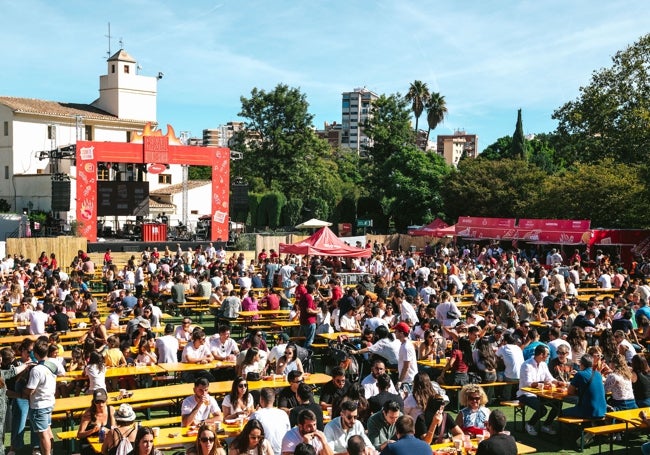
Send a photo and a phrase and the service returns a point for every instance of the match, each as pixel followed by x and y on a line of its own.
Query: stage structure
pixel 152 151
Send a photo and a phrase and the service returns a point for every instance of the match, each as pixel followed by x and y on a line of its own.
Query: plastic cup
pixel 479 438
pixel 155 431
pixel 458 443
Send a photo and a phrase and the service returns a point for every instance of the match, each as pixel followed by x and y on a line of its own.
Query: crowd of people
pixel 526 324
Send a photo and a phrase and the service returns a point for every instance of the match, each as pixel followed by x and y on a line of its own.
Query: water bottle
pixel 437 357
pixel 102 434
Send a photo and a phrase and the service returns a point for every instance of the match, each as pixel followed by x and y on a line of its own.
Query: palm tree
pixel 418 94
pixel 436 111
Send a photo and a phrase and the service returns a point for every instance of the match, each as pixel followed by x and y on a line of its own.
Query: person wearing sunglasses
pixel 473 417
pixel 96 417
pixel 239 402
pixel 251 440
pixel 343 427
pixel 206 443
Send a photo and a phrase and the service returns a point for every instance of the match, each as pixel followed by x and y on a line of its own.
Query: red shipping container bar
pixel 154 232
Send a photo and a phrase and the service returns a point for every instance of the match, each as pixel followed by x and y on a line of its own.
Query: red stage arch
pixel 150 150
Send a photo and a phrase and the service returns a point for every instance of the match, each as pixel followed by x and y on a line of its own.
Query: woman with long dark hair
pixel 641 380
pixel 289 361
pixel 143 444
pixel 251 441
pixel 207 443
pixel 239 402
pixel 423 389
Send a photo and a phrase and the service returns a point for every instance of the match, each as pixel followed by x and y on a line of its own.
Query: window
pixel 88 132
pixel 102 174
pixel 6 172
pixel 6 128
pixel 165 178
pixel 51 131
pixel 113 68
pixel 128 136
pixel 126 69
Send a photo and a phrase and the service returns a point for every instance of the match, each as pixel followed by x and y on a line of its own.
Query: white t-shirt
pixel 37 321
pixel 276 424
pixel 223 350
pixel 43 382
pixel 407 353
pixel 204 412
pixel 292 438
pixel 167 349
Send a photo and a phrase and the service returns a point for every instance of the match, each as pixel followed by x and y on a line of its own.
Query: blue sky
pixel 488 58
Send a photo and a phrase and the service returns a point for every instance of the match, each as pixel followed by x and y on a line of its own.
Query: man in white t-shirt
pixel 222 346
pixel 200 406
pixel 305 431
pixel 407 364
pixel 369 383
pixel 41 389
pixel 275 421
pixel 38 320
pixel 167 346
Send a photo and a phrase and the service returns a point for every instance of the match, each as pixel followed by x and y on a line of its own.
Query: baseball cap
pixel 100 395
pixel 403 327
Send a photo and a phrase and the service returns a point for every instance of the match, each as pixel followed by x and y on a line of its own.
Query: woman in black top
pixel 434 424
pixel 641 380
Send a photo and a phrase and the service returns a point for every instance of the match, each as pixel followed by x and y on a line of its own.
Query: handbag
pixel 253 376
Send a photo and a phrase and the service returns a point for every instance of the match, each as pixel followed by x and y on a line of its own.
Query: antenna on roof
pixel 109 40
pixel 121 41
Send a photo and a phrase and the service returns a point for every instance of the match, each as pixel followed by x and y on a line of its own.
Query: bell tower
pixel 124 93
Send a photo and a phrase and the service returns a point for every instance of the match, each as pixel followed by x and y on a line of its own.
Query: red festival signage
pixel 151 147
pixel 530 230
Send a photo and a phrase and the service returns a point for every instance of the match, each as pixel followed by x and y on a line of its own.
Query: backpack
pixel 124 446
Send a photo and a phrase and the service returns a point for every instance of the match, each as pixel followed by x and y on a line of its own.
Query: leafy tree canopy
pixel 611 117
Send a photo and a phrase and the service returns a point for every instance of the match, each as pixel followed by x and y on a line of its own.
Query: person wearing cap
pixel 143 332
pixel 407 358
pixel 99 415
pixel 124 428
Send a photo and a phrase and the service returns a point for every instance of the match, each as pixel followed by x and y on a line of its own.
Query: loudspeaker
pixel 61 196
pixel 239 199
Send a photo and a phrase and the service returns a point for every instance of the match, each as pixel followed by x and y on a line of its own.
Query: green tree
pixel 418 95
pixel 609 194
pixel 518 139
pixel 412 185
pixel 436 111
pixel 499 150
pixel 278 141
pixel 199 173
pixel 611 117
pixel 503 188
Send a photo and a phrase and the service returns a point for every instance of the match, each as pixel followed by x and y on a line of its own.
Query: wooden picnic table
pixel 175 392
pixel 252 314
pixel 179 367
pixel 286 324
pixel 334 336
pixel 522 449
pixel 116 372
pixel 433 363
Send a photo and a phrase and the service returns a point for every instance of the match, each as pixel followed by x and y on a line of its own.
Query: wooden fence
pixel 65 248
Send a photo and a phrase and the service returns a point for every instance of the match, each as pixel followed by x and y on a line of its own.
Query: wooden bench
pixel 71 435
pixel 582 424
pixel 606 430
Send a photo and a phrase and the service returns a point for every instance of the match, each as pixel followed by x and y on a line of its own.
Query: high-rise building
pixel 355 110
pixel 221 136
pixel 453 147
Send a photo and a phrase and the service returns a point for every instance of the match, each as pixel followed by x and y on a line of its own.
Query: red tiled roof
pixel 178 187
pixel 57 109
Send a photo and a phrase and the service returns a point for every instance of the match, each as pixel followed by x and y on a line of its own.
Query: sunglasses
pixel 474 398
pixel 100 401
pixel 242 386
pixel 206 439
pixel 562 353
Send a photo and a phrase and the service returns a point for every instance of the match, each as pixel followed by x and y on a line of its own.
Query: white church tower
pixel 124 93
